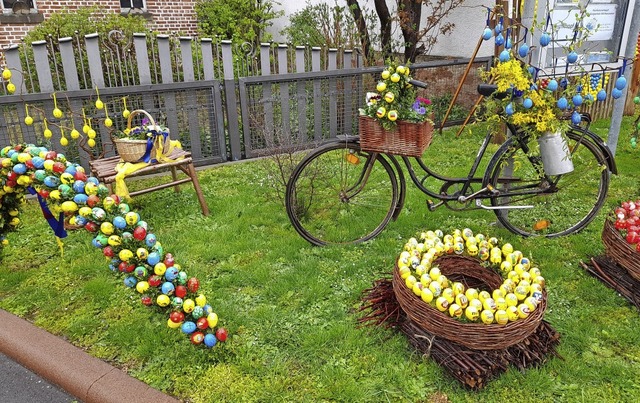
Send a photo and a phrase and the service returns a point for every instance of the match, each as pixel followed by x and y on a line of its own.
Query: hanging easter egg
pixel 59 167
pixel 621 82
pixel 616 93
pixel 527 103
pixel 20 169
pixel 130 281
pixel 505 55
pixel 508 110
pixel 181 291
pixel 80 199
pixel 572 57
pixel 188 327
pixel 499 39
pixel 508 44
pixel 545 39
pixel 636 100
pixel 498 28
pixel 487 34
pixel 51 181
pixel 576 118
pixel 523 50
pixel 577 100
pixel 193 284
pixel 210 340
pixel 552 85
pixel 562 103
pixel 389 97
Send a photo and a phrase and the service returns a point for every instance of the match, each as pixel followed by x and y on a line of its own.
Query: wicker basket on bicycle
pixel 144 144
pixel 618 249
pixel 478 336
pixel 407 138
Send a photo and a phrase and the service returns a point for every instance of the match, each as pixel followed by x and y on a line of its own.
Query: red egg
pixel 197 338
pixel 91 226
pixel 51 155
pixel 176 316
pixel 155 280
pixel 139 233
pixel 59 167
pixel 108 251
pixel 116 198
pixel 11 184
pixel 93 201
pixel 29 164
pixel 80 176
pixel 181 291
pixel 44 193
pixel 146 300
pixel 632 237
pixel 202 323
pixel 168 260
pixel 193 284
pixel 221 334
pixel 12 176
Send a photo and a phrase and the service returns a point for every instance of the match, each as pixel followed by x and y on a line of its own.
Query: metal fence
pixel 223 102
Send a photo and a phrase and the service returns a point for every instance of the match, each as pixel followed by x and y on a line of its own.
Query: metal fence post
pixel 231 100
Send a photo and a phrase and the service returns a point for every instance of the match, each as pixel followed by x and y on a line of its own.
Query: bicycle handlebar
pixel 418 83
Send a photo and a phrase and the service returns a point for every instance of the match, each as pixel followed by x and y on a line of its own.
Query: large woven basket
pixel 410 139
pixel 618 249
pixel 131 150
pixel 478 336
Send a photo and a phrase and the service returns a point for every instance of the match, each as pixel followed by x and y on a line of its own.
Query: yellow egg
pixel 511 299
pixel 125 255
pixel 435 288
pixel 501 303
pixel 115 240
pixel 201 300
pixel 462 300
pixel 471 293
pixel 489 304
pixel 482 295
pixel 476 304
pixel 142 286
pixel 521 293
pixel 405 272
pixel 487 317
pixel 434 273
pixel 212 319
pixel 531 303
pixel 188 305
pixel 381 86
pixel 85 211
pixel 467 233
pixel 447 293
pixel 523 311
pixel 442 304
pixel 497 293
pixel 444 282
pixel 385 74
pixel 163 300
pixel 505 266
pixel 472 250
pixel 514 277
pixel 427 295
pixel 539 280
pixel 410 281
pixel 142 253
pixel 417 289
pixel 457 287
pixel 501 317
pixel 534 272
pixel 107 228
pixel 159 269
pixel 455 310
pixel 69 206
pixel 389 97
pixel 525 276
pixel 471 313
pixel 525 262
pixel 483 254
pixel 507 248
pixel 395 77
pixel 512 313
pixel 173 325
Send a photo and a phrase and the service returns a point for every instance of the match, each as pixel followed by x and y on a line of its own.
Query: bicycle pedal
pixel 432 206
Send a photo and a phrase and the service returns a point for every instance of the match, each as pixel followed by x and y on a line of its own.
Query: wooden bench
pixel 105 170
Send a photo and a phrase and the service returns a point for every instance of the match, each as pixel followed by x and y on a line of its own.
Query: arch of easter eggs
pixel 519 294
pixel 64 190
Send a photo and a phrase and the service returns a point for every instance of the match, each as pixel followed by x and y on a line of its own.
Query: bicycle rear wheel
pixel 555 205
pixel 339 194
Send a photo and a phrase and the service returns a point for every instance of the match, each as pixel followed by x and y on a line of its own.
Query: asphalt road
pixel 19 385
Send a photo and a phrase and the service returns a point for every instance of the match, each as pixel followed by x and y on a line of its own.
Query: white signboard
pixel 600 21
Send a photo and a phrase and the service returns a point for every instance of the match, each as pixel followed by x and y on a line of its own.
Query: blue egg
pixel 188 327
pixel 602 95
pixel 51 181
pixel 207 309
pixel 150 240
pixel 78 186
pixel 621 82
pixel 499 40
pixel 523 50
pixel 171 273
pixel 80 220
pixel 71 169
pixel 210 340
pixel 130 281
pixel 572 57
pixel 508 110
pixel 527 103
pixel 553 85
pixel 576 118
pixel 563 103
pixel 93 180
pixel 153 258
pixel 508 44
pixel 80 198
pixel 616 93
pixel 531 70
pixel 505 55
pixel 168 288
pixel 487 34
pixel 38 162
pixel 564 82
pixel 545 39
pixel 577 100
pixel 20 168
pixel 127 236
pixel 119 222
pixel 498 28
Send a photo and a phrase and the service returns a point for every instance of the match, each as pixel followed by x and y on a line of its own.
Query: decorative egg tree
pixel 64 190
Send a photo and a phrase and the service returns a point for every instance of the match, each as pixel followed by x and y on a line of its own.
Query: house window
pixel 18 6
pixel 133 4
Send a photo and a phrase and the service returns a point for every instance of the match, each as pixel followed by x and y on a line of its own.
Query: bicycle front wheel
pixel 339 194
pixel 550 206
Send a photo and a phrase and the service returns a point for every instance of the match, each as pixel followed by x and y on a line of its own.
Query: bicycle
pixel 341 194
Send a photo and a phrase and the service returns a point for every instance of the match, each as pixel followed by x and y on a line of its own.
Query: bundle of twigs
pixel 473 368
pixel 615 276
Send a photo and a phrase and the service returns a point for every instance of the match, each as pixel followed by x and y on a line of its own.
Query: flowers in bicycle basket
pixel 145 131
pixel 537 105
pixel 396 99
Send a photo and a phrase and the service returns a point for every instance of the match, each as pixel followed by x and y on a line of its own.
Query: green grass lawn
pixel 291 309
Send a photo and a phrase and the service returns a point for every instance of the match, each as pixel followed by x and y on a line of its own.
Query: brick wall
pixel 164 16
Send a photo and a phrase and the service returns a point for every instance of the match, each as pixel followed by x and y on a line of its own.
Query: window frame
pixel 9 10
pixel 127 9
